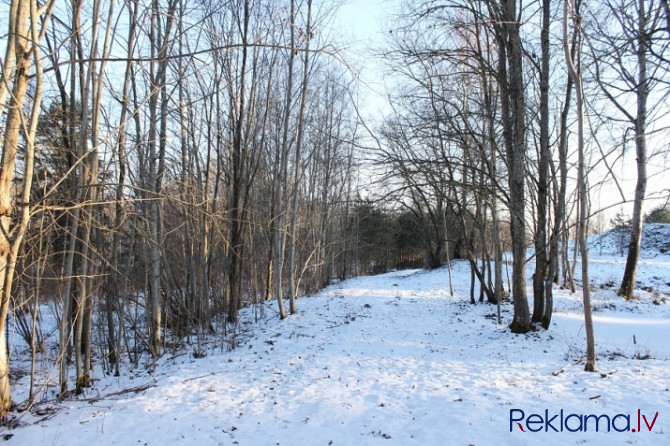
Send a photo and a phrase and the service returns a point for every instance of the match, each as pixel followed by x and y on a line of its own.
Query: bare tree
pixel 111 288
pixel 543 279
pixel 26 28
pixel 571 14
pixel 281 161
pixel 506 16
pixel 624 65
pixel 445 140
pixel 162 23
pixel 307 36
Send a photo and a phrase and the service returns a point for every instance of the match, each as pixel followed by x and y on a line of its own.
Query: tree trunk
pixel 292 286
pixel 111 289
pixel 280 175
pixel 560 236
pixel 542 290
pixel 237 160
pixel 25 33
pixel 628 282
pixel 582 223
pixel 513 108
pixel 160 38
pixel 445 237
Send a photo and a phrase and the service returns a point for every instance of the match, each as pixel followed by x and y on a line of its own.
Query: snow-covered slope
pixel 606 263
pixel 655 242
pixel 393 360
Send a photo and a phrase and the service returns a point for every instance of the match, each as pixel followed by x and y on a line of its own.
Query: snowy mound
pixel 655 241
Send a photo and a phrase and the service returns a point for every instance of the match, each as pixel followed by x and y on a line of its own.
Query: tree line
pixel 509 116
pixel 165 164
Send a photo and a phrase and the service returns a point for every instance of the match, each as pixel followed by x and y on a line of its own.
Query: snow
pixel 391 360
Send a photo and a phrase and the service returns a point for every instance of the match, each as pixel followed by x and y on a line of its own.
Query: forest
pixel 166 164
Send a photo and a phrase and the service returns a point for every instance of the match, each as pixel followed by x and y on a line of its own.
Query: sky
pixel 364 24
pixel 361 27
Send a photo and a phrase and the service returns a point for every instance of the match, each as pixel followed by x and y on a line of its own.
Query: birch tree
pixel 571 15
pixel 27 24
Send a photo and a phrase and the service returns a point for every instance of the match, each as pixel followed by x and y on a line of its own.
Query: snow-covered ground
pixel 395 360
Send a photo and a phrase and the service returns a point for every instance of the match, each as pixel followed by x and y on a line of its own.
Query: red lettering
pixel 652 422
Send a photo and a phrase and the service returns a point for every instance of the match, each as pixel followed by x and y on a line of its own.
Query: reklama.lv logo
pixel 574 422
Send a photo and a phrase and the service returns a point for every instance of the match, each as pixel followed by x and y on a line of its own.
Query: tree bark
pixel 280 175
pixel 513 108
pixel 27 22
pixel 237 180
pixel 570 8
pixel 160 35
pixel 630 271
pixel 542 289
pixel 292 280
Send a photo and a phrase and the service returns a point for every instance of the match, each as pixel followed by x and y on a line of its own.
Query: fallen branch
pixel 562 369
pixel 137 389
pixel 199 377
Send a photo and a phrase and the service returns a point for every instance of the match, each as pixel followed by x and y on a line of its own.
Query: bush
pixel 660 214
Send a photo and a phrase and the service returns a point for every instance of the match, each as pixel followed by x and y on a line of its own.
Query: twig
pixel 562 369
pixel 198 377
pixel 137 389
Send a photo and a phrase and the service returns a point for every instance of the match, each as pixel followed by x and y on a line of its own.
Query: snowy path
pixel 388 360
